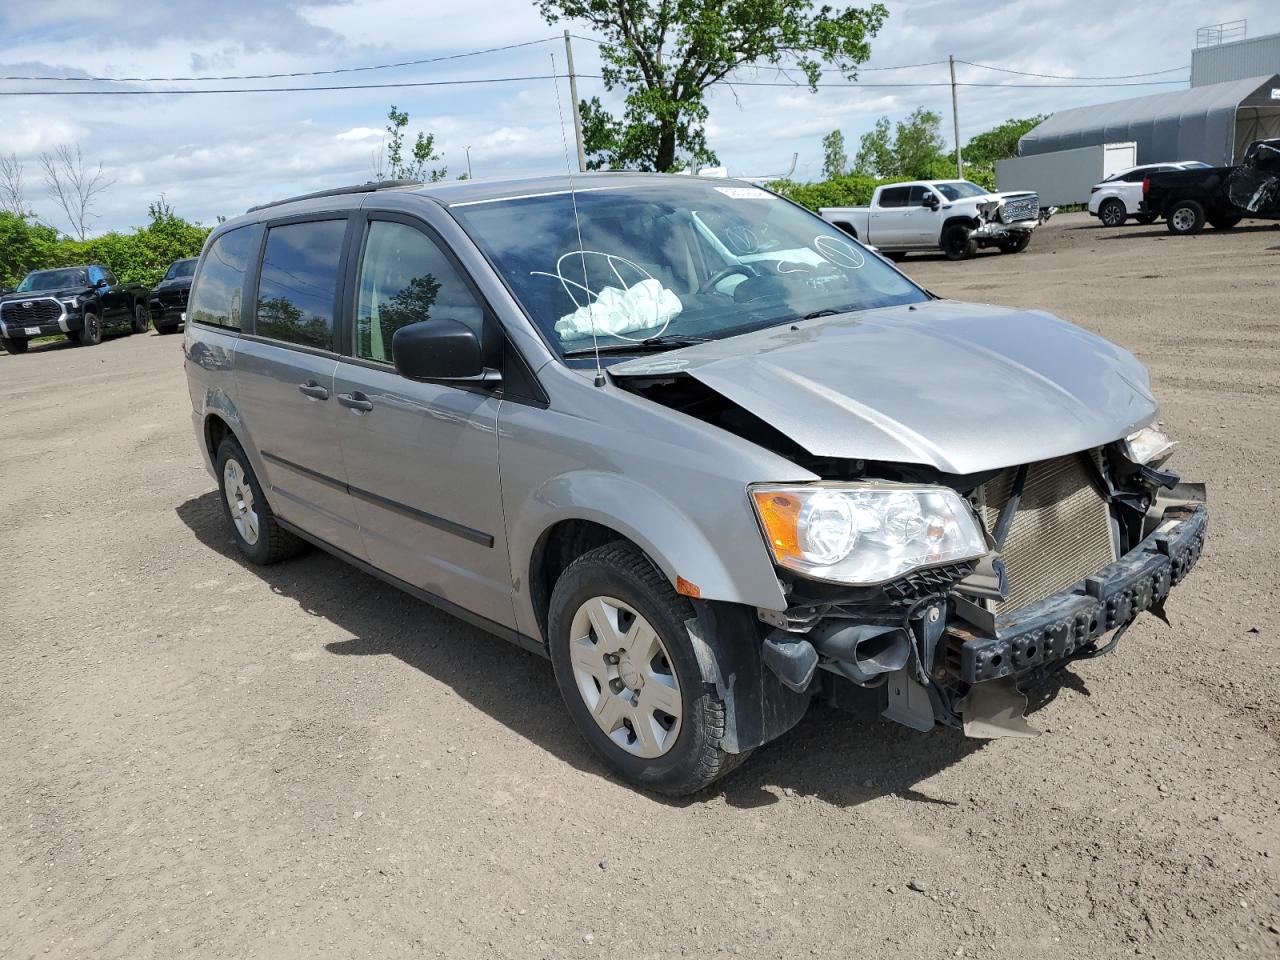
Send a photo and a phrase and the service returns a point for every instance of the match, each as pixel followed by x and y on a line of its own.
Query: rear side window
pixel 895 197
pixel 299 281
pixel 406 278
pixel 215 299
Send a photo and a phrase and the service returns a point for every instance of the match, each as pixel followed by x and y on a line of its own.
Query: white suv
pixel 1116 199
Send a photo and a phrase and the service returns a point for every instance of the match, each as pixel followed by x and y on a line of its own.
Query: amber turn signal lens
pixel 780 514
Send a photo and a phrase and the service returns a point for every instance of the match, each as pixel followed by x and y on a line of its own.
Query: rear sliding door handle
pixel 356 401
pixel 313 390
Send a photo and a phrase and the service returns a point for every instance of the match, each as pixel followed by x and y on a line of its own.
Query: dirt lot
pixel 202 759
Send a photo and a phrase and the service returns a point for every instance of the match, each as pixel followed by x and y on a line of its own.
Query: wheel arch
pixel 580 511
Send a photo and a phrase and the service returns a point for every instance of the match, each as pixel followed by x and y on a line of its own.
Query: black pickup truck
pixel 77 302
pixel 169 296
pixel 1220 196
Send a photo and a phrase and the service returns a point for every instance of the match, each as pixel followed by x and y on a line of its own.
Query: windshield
pixel 961 190
pixel 54 280
pixel 183 268
pixel 680 259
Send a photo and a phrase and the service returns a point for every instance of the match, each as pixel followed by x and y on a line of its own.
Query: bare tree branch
pixel 75 187
pixel 12 197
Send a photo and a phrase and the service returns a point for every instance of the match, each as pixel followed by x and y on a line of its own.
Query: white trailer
pixel 1065 176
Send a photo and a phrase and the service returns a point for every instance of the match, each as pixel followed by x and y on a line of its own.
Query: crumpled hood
pixel 961 387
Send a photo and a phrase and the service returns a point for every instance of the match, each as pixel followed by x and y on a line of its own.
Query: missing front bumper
pixel 1067 623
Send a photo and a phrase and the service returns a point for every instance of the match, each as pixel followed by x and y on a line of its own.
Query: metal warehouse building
pixel 1214 123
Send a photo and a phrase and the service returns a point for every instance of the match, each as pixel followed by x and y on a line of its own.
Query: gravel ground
pixel 204 759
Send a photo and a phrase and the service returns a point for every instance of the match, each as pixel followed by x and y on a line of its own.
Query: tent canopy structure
pixel 1213 123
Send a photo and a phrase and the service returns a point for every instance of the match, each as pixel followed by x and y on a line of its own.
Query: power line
pixel 548 76
pixel 1055 76
pixel 347 86
pixel 300 73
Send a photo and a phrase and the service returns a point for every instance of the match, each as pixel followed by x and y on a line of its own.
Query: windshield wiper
pixel 670 342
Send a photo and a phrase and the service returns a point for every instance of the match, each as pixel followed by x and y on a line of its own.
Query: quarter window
pixel 299 283
pixel 215 298
pixel 406 278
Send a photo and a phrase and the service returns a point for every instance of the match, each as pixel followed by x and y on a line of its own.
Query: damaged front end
pixel 1079 546
pixel 1012 216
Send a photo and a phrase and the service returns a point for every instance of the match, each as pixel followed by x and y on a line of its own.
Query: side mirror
pixel 932 201
pixel 101 282
pixel 444 350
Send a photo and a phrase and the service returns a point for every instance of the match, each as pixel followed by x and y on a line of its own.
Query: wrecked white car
pixel 955 216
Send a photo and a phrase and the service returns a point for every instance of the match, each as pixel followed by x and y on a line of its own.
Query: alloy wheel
pixel 239 493
pixel 624 674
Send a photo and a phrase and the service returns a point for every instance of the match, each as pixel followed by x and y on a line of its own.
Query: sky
pixel 218 154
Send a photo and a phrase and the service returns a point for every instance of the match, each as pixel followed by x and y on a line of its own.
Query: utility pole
pixel 573 95
pixel 955 115
pixel 469 163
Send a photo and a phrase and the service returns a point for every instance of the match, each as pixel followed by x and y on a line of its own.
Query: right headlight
pixel 865 533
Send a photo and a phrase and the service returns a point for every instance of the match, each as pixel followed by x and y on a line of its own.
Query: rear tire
pixel 15 344
pixel 1186 217
pixel 253 525
pixel 638 613
pixel 1224 221
pixel 1112 213
pixel 958 242
pixel 141 319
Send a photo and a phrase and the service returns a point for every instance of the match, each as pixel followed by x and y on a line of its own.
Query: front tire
pixel 1016 244
pixel 1186 217
pixel 1112 213
pixel 141 319
pixel 89 335
pixel 15 344
pixel 627 671
pixel 257 533
pixel 958 242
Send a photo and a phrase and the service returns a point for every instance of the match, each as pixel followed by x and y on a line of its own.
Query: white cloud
pixel 218 154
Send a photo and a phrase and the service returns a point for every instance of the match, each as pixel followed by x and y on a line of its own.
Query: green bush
pixel 142 256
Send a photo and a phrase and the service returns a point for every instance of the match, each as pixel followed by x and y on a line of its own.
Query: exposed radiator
pixel 1061 532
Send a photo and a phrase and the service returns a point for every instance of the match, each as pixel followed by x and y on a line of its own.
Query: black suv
pixel 78 302
pixel 169 297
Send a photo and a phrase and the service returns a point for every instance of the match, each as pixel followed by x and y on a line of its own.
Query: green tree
pixel 998 143
pixel 915 151
pixel 835 160
pixel 875 151
pixel 416 165
pixel 665 55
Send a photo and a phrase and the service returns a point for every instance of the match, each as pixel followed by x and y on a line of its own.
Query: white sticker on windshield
pixel 747 193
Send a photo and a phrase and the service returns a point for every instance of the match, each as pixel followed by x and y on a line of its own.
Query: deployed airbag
pixel 643 306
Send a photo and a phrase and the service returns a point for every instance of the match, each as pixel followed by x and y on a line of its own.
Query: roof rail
pixel 369 187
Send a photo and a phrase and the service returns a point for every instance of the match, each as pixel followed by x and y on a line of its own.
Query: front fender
pixel 723 555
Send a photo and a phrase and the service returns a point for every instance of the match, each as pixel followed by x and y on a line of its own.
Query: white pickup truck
pixel 955 216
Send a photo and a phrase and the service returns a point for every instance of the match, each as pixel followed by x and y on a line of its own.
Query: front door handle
pixel 355 401
pixel 313 390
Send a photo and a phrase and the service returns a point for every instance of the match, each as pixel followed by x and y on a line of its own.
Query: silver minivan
pixel 712 457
